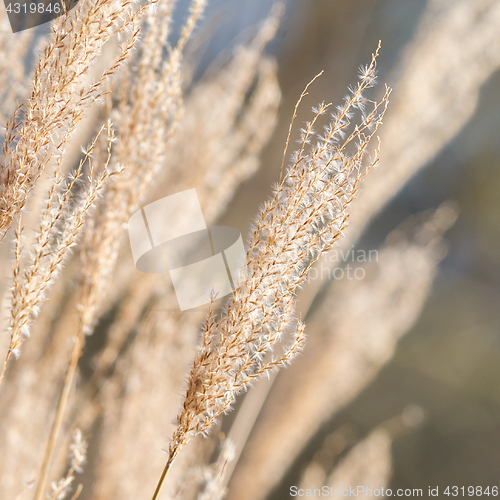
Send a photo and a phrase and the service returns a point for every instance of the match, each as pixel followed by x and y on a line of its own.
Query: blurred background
pixel 399 383
pixel 448 363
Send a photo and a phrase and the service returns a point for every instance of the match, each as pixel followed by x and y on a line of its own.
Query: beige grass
pixel 158 140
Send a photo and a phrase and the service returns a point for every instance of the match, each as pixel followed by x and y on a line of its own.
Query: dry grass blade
pixel 61 223
pixel 247 94
pixel 85 319
pixel 306 216
pixel 60 95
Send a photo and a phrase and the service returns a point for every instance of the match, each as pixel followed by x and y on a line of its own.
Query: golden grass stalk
pixel 60 95
pixel 247 93
pixel 61 223
pixel 101 245
pixel 304 219
pixel 143 136
pixel 85 318
pixel 150 106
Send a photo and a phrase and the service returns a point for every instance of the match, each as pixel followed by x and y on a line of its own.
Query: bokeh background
pixel 387 392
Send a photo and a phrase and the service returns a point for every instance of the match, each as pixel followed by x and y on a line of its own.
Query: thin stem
pixel 290 128
pixel 77 492
pixel 4 368
pixel 15 283
pixel 61 407
pixel 83 324
pixel 172 454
